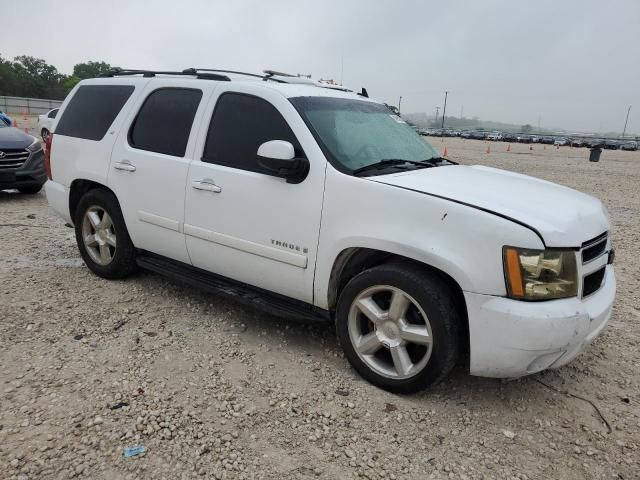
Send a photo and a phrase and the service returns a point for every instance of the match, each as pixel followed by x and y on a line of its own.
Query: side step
pixel 270 302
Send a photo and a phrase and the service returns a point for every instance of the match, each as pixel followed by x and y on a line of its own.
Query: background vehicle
pixel 320 203
pixel 495 136
pixel 629 146
pixel 560 141
pixel 21 161
pixel 45 123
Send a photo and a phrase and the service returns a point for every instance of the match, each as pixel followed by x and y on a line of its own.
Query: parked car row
pixel 497 136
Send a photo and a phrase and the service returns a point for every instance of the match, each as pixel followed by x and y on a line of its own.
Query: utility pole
pixel 444 110
pixel 461 110
pixel 626 121
pixel 437 111
pixel 399 103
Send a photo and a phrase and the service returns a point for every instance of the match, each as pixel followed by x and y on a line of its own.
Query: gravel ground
pixel 216 390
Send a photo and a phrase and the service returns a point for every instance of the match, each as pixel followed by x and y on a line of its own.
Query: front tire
pixel 102 236
pixel 399 327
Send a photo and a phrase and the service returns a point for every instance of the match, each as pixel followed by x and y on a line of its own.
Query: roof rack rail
pixel 117 72
pixel 267 76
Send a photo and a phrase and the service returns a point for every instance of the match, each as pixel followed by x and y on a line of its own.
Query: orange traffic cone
pixel 488 149
pixel 509 148
pixel 445 154
pixel 530 147
pixel 544 147
pixel 557 147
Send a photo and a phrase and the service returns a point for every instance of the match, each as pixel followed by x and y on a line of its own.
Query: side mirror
pixel 278 157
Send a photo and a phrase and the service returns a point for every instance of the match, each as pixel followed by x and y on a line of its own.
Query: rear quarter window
pixel 92 110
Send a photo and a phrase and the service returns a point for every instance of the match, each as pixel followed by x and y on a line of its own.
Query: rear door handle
pixel 206 185
pixel 125 165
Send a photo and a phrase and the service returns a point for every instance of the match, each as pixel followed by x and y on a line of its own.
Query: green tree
pixel 69 83
pixel 526 128
pixel 91 69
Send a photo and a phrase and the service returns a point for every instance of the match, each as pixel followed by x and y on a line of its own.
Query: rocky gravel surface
pixel 212 389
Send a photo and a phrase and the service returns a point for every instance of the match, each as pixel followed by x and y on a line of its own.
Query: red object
pixel 47 155
pixel 509 148
pixel 445 153
pixel 15 123
pixel 488 149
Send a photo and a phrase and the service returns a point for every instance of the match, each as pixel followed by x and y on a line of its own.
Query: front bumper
pixel 512 338
pixel 31 173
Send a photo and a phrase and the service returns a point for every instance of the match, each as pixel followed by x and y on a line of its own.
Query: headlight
pixel 540 274
pixel 36 146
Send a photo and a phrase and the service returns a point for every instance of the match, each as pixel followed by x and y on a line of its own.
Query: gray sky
pixel 569 63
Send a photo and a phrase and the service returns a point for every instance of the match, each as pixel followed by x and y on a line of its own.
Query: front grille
pixel 13 158
pixel 593 248
pixel 592 282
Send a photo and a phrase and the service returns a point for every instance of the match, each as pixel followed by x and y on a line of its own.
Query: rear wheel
pixel 102 236
pixel 399 327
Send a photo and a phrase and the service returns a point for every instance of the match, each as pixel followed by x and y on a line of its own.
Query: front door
pixel 240 221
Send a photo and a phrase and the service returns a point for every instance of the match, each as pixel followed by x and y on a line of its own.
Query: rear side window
pixel 92 110
pixel 240 124
pixel 164 121
pixel 53 113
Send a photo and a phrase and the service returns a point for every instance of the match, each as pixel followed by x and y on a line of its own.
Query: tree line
pixel 27 76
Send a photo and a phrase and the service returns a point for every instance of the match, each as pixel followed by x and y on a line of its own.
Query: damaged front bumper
pixel 512 338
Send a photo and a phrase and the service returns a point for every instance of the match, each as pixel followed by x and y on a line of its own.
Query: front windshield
pixel 358 133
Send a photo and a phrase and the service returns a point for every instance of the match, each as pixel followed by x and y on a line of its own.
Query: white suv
pixel 311 201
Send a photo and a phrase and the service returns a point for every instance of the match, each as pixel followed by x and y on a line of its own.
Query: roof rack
pixel 117 72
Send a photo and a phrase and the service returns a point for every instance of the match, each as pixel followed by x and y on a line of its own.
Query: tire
pixel 431 310
pixel 109 234
pixel 30 189
pixel 44 133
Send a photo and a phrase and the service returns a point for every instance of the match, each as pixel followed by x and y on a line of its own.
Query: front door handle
pixel 125 165
pixel 206 185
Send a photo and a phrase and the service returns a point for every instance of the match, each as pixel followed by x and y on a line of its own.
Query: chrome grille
pixel 13 158
pixel 593 248
pixel 591 251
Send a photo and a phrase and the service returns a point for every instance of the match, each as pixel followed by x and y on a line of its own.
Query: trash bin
pixel 594 155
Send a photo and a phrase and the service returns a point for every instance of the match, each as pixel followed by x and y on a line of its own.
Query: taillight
pixel 47 155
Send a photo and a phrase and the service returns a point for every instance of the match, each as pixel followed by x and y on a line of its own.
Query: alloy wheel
pixel 390 332
pixel 99 235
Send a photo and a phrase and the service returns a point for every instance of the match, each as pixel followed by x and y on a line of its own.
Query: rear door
pixel 150 161
pixel 240 221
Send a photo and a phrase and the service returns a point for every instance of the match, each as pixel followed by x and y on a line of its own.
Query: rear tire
pixel 102 236
pixel 30 189
pixel 399 327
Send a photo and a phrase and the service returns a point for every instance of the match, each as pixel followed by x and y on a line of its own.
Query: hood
pixel 561 216
pixel 11 137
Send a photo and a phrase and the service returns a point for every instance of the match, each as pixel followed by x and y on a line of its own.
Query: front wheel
pixel 399 327
pixel 102 236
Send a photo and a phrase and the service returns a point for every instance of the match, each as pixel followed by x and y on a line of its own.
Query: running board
pixel 270 302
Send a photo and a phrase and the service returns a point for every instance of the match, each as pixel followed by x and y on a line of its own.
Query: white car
pixel 45 123
pixel 316 202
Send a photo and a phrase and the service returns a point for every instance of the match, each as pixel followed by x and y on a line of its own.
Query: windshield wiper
pixel 387 162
